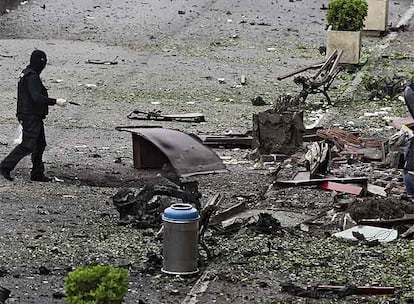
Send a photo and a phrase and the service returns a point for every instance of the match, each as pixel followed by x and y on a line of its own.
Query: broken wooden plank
pixel 227 141
pixel 409 220
pixel 198 289
pixel 347 188
pixel 318 181
pixel 228 213
pixel 207 212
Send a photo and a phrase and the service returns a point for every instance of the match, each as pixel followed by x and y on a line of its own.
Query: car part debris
pixel 318 83
pixel 154 148
pixel 332 291
pixel 157 115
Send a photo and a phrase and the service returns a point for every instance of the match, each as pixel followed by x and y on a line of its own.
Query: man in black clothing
pixel 32 107
pixel 408 173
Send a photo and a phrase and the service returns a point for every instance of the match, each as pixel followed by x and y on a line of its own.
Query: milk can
pixel 180 244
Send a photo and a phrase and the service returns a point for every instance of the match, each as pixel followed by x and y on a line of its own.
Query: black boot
pixel 6 174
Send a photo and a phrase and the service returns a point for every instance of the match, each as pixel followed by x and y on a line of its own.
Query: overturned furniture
pixel 318 83
pixel 182 154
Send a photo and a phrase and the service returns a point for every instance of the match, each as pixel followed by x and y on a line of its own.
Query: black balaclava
pixel 38 60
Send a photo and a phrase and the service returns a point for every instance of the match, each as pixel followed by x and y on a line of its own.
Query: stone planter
pixel 347 41
pixel 377 18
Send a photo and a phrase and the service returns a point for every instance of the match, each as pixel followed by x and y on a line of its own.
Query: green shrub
pixel 347 15
pixel 96 285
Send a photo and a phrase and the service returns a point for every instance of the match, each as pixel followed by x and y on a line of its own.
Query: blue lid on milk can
pixel 180 213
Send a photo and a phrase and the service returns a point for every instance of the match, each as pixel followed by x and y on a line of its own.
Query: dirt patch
pixel 387 208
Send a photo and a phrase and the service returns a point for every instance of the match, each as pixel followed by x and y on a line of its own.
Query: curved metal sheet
pixel 186 155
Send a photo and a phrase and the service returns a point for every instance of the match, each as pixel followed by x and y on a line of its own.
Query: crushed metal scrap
pixel 142 207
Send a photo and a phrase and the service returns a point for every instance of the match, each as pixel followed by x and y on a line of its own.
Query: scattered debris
pixel 139 207
pixel 243 79
pixel 347 188
pixel 226 214
pixel 379 208
pixel 157 115
pixel 384 86
pixel 349 143
pixel 331 291
pixel 242 141
pixel 258 101
pixel 399 28
pixel 317 158
pixel 388 223
pixel 276 132
pixel 266 224
pixel 106 62
pixel 252 216
pixel 368 233
pixel 376 190
pixel 318 181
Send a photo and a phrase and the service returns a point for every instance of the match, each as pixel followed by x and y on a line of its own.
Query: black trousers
pixel 34 143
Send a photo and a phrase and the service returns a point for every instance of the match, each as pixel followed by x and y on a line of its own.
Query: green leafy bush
pixel 347 15
pixel 96 285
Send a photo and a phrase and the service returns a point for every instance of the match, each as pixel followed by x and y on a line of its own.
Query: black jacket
pixel 32 98
pixel 409 156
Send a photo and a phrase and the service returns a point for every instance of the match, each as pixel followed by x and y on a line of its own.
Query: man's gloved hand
pixel 61 102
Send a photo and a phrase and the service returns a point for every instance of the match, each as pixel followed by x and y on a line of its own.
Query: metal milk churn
pixel 180 243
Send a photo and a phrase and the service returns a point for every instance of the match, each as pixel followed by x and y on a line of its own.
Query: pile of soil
pixel 385 208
